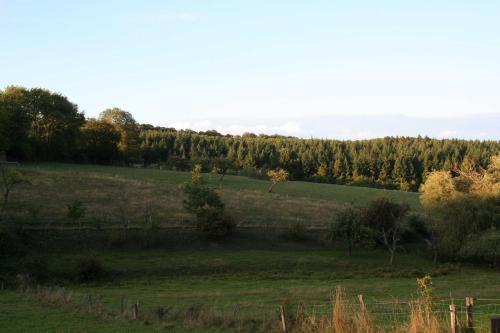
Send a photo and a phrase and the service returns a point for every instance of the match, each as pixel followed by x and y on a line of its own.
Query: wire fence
pixel 384 313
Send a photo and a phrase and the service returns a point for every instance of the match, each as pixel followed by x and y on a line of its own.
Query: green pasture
pixel 251 283
pixel 110 192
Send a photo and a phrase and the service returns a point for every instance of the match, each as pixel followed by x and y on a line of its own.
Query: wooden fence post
pixel 469 302
pixel 495 324
pixel 283 320
pixel 362 303
pixel 453 318
pixel 135 310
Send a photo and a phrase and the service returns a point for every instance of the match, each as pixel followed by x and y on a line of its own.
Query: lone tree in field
pixel 9 177
pixel 348 227
pixel 200 196
pixel 221 166
pixel 276 177
pixel 386 218
pixel 202 201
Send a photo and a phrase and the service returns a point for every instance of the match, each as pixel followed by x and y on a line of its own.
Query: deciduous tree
pixel 9 178
pixel 385 218
pixel 277 177
pixel 100 141
pixel 221 166
pixel 126 125
pixel 348 228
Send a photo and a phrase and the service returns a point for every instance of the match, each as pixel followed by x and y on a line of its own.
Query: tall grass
pixel 423 320
pixel 345 315
pixel 348 317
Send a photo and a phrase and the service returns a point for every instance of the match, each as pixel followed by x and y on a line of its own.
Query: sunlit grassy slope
pixel 107 190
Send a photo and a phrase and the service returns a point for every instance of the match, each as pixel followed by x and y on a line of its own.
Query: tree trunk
pixel 391 260
pixel 221 178
pixel 349 250
pixel 270 188
pixel 435 257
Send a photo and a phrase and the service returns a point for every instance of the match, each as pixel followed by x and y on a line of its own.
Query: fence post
pixel 283 321
pixel 469 302
pixel 135 310
pixel 362 303
pixel 453 318
pixel 495 324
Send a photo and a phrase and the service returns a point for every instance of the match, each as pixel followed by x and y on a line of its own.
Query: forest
pixel 39 125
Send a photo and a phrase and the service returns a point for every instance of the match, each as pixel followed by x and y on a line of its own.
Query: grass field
pixel 255 282
pixel 110 191
pixel 240 283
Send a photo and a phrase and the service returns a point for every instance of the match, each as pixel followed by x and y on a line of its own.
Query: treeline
pixel 401 163
pixel 38 125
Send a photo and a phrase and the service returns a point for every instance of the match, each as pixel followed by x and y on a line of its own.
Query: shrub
pixel 206 204
pixel 464 203
pixel 485 246
pixel 214 224
pixel 89 269
pixel 416 228
pixel 296 232
pixel 9 178
pixel 199 195
pixel 348 228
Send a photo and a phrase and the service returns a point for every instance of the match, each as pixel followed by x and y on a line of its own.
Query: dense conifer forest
pixel 38 125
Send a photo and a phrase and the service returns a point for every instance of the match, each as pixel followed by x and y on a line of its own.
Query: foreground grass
pixel 253 283
pixel 21 313
pixel 111 192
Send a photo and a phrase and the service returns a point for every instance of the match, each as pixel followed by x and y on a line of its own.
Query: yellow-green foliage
pixel 465 201
pixel 442 187
pixel 277 176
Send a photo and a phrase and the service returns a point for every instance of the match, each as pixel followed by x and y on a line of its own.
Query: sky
pixel 325 69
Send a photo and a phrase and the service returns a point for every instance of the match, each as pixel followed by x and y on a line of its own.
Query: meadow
pixel 238 284
pixel 145 194
pixel 184 284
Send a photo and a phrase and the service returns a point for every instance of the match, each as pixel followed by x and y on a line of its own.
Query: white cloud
pixel 354 127
pixel 240 129
pixel 288 128
pixel 348 133
pixel 180 125
pixel 448 134
pixel 291 127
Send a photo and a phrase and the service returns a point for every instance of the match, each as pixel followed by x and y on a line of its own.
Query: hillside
pixel 109 191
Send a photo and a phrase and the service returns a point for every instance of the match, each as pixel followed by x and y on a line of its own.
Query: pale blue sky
pixel 339 69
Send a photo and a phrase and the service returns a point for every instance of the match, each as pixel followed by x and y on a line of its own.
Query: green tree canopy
pixel 386 218
pixel 100 141
pixel 126 125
